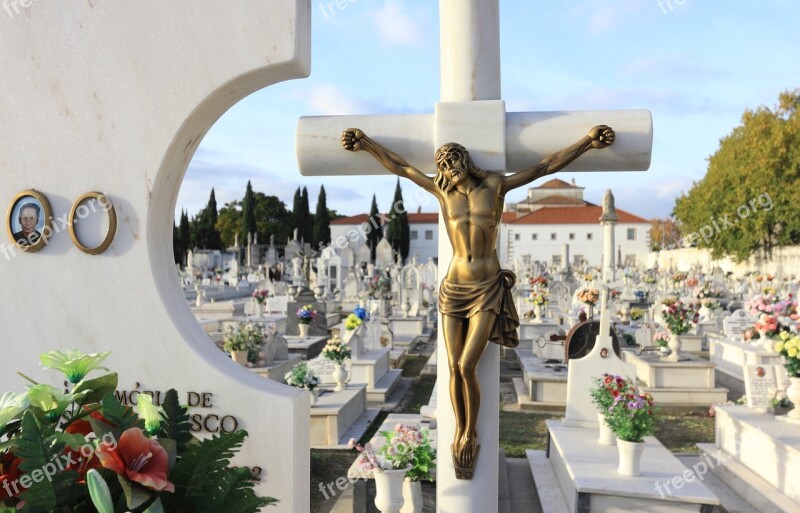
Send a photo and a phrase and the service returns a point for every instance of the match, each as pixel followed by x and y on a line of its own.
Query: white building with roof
pixel 553 214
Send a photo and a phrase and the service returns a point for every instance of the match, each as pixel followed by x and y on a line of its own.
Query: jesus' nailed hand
pixel 475 297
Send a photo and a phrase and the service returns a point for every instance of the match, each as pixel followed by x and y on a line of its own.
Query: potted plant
pixel 662 340
pixel 679 318
pixel 302 377
pixel 403 458
pixel 260 296
pixel 538 298
pixel 305 316
pixel 337 352
pixel 235 342
pixel 788 346
pixel 630 417
pixel 114 458
pixel 606 389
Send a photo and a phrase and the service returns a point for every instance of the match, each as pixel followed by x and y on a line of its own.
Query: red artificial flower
pixel 10 486
pixel 138 458
pixel 81 464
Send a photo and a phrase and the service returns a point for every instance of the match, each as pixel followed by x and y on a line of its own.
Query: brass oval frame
pixel 48 220
pixel 112 223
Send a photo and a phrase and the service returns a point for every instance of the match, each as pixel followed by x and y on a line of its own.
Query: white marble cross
pixel 471 113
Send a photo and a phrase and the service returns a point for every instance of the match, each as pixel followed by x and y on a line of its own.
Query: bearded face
pixel 453 164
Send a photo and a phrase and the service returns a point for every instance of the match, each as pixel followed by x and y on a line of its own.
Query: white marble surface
pixel 582 373
pixel 584 466
pixel 116 97
pixel 767 447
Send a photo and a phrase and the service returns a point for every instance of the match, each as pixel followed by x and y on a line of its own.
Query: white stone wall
pixel 683 259
pixel 424 248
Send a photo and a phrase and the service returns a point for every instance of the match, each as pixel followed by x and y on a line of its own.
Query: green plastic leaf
pixel 95 389
pixel 177 425
pixel 39 449
pixel 99 492
pixel 135 495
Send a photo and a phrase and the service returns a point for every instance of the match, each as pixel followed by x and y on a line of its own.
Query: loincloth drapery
pixel 463 300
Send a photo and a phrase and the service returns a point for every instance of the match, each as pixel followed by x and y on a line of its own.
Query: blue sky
pixel 696 64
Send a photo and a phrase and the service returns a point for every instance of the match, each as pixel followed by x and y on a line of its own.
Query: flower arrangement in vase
pixel 337 352
pixel 117 459
pixel 261 295
pixel 306 314
pixel 662 340
pixel 537 298
pixel 636 314
pixel 406 448
pixel 361 313
pixel 541 281
pixel 606 390
pixel 631 418
pixel 788 346
pixel 679 318
pixel 379 287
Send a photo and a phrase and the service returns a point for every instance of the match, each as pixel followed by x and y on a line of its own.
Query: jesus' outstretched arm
pixel 354 139
pixel 598 137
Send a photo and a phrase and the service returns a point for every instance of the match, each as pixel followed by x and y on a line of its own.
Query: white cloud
pixel 329 100
pixel 396 25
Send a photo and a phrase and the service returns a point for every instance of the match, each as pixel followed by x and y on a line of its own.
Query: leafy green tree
pixel 398 232
pixel 322 221
pixel 229 224
pixel 745 204
pixel 374 236
pixel 272 218
pixel 249 224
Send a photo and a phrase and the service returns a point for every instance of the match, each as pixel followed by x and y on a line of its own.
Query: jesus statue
pixel 475 297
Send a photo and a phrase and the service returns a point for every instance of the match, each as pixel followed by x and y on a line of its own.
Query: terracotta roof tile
pixel 555 183
pixel 589 214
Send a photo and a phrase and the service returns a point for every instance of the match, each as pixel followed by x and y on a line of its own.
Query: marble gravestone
pixel 116 97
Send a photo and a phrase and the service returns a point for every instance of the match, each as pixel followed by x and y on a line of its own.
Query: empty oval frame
pixel 29 220
pixel 86 205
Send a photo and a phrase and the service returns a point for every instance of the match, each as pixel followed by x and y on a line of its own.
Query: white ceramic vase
pixel 314 396
pixel 793 393
pixel 412 496
pixel 674 345
pixel 259 310
pixel 303 330
pixel 630 457
pixel 766 342
pixel 606 436
pixel 389 490
pixel 537 312
pixel 339 377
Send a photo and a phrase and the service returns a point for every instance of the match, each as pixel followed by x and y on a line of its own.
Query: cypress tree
pixel 249 224
pixel 307 228
pixel 322 221
pixel 374 236
pixel 398 230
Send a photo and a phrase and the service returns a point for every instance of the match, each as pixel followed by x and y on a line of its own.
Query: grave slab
pixel 278 369
pixel 308 348
pixel 587 475
pixel 763 445
pixel 334 414
pixel 688 382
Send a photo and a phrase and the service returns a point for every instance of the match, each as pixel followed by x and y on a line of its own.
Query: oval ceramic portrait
pixel 29 220
pixel 94 216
